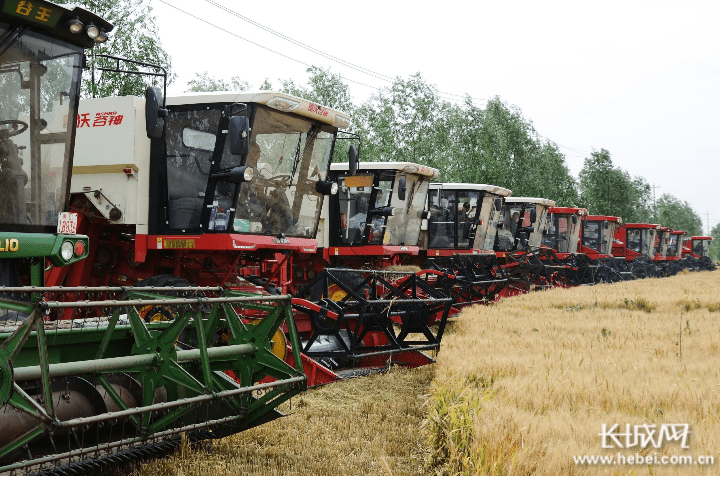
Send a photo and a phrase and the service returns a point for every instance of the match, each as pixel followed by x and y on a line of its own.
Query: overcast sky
pixel 640 79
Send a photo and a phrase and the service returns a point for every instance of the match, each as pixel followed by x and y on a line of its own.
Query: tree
pixel 134 37
pixel 672 212
pixel 205 83
pixel 715 244
pixel 405 122
pixel 323 87
pixel 608 190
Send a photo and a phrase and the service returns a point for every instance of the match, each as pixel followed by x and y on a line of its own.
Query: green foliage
pixel 715 244
pixel 323 87
pixel 672 212
pixel 134 37
pixel 608 190
pixel 205 83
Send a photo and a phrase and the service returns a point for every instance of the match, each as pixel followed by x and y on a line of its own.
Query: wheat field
pixel 520 387
pixel 362 426
pixel 525 385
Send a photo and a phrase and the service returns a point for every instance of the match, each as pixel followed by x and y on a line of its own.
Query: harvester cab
pixel 597 235
pixel 635 244
pixel 635 240
pixel 457 239
pixel 562 228
pixel 662 239
pixel 522 224
pixel 696 251
pixel 224 192
pixel 377 211
pixel 674 246
pixel 462 218
pixel 41 58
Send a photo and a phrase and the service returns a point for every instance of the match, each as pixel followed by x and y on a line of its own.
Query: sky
pixel 640 79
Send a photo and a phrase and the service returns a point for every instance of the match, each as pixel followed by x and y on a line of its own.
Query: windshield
pixel 672 246
pixel 561 232
pixel 38 96
pixel 403 228
pixel 598 235
pixel 701 248
pixel 640 240
pixel 661 243
pixel 289 155
pixel 453 218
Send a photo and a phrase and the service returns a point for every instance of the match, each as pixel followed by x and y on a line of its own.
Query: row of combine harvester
pixel 183 265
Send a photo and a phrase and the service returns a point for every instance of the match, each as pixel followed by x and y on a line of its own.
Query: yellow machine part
pixel 279 342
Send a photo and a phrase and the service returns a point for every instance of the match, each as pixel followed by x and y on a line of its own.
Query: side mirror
pixel 237 174
pixel 533 215
pixel 326 187
pixel 154 113
pixel 354 160
pixel 402 187
pixel 606 224
pixel 239 131
pixel 498 203
pixel 574 219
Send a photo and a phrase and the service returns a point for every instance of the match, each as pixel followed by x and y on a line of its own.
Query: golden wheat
pixel 361 426
pixel 524 385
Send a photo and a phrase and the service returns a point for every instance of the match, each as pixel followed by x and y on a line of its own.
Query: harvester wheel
pixel 153 314
pixel 279 342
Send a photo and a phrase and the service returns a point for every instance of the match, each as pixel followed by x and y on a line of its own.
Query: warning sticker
pixel 359 181
pixel 179 243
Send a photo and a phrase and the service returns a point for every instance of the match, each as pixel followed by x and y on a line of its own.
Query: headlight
pixel 282 104
pixel 334 188
pixel 248 174
pixel 66 250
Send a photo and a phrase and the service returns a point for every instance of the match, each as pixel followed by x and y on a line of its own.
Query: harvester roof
pixel 409 167
pixel 569 210
pixel 530 200
pixel 643 226
pixel 501 191
pixel 280 101
pixel 609 218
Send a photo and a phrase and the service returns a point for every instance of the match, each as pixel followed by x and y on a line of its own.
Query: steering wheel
pixel 13 132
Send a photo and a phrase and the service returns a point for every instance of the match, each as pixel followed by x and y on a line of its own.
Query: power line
pixel 376 88
pixel 345 63
pixel 328 56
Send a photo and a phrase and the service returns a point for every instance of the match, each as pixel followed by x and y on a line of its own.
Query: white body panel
pixel 111 138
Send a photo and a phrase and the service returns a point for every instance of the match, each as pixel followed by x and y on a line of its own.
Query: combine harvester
pixel 696 253
pixel 596 242
pixel 518 245
pixel 457 239
pixel 86 382
pixel 226 190
pixel 635 245
pixel 370 228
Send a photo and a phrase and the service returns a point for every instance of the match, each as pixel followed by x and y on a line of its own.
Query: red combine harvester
pixel 669 259
pixel 370 228
pixel 696 253
pixel 596 242
pixel 635 243
pixel 457 239
pixel 519 242
pixel 561 240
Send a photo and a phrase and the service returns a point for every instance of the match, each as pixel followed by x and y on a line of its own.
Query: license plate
pixel 67 223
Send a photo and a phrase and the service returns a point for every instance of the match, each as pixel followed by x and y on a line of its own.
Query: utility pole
pixel 707 221
pixel 655 219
